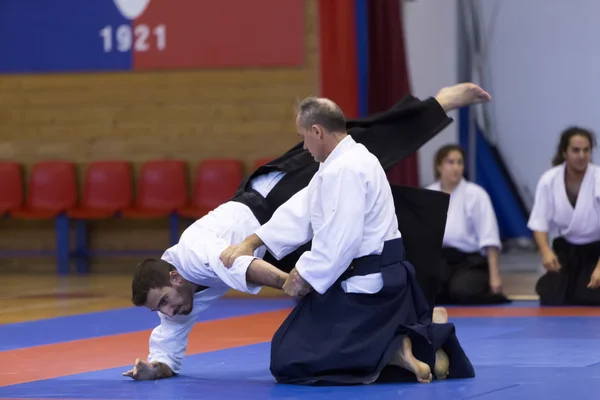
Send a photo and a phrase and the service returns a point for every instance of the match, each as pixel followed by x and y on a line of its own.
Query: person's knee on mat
pixel 462 289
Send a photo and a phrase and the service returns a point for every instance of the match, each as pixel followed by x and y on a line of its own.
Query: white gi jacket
pixel 471 224
pixel 348 212
pixel 197 259
pixel 553 213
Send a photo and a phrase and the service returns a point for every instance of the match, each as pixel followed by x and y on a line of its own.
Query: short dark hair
pixel 565 138
pixel 152 273
pixel 442 153
pixel 319 111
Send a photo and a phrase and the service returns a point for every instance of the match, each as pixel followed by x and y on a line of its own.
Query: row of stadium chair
pixel 51 192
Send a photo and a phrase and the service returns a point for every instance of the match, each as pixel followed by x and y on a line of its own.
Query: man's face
pixel 176 299
pixel 313 140
pixel 578 153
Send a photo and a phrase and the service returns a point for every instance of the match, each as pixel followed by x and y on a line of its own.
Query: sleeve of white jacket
pixel 289 227
pixel 205 250
pixel 539 217
pixel 168 341
pixel 485 222
pixel 336 243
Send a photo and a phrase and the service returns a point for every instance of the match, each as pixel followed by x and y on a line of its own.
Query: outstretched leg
pixel 399 132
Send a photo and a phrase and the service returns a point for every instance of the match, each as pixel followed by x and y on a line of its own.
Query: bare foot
pixel 440 315
pixel 441 368
pixel 405 358
pixel 461 95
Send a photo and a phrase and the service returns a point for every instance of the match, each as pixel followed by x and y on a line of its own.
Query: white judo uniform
pixel 471 226
pixel 197 259
pixel 347 211
pixel 575 232
pixel 553 213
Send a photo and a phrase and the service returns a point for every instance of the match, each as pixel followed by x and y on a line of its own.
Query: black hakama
pixel 343 338
pixel 422 222
pixel 464 279
pixel 568 286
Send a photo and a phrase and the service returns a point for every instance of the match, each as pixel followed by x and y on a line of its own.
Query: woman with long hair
pixel 567 206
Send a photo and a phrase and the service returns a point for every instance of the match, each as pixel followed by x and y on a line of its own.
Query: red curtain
pixel 337 52
pixel 388 73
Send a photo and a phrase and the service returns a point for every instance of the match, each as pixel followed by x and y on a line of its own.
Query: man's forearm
pixel 254 241
pixel 492 256
pixel 262 273
pixel 541 239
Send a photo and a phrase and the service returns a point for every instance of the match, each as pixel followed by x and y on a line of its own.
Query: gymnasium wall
pixel 185 114
pixel 431 34
pixel 542 59
pixel 540 70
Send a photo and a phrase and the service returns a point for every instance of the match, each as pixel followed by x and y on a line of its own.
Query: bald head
pixel 323 112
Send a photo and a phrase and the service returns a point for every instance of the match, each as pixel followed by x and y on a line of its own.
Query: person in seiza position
pixel 361 316
pixel 190 276
pixel 567 207
pixel 469 269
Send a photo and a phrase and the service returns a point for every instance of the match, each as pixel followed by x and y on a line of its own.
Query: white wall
pixel 431 30
pixel 543 59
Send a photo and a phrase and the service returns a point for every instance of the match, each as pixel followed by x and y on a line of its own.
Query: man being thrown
pixel 361 310
pixel 190 276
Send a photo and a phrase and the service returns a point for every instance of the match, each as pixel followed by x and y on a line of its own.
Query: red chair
pixel 52 190
pixel 162 189
pixel 215 183
pixel 11 187
pixel 107 189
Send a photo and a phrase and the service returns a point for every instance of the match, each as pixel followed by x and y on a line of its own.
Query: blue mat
pixel 515 358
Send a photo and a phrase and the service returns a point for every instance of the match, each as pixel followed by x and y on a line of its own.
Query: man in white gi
pixel 367 312
pixel 190 275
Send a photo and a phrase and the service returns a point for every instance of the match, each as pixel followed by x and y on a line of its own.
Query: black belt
pixel 393 252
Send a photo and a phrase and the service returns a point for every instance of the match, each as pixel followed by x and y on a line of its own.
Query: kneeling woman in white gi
pixel 567 205
pixel 469 270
